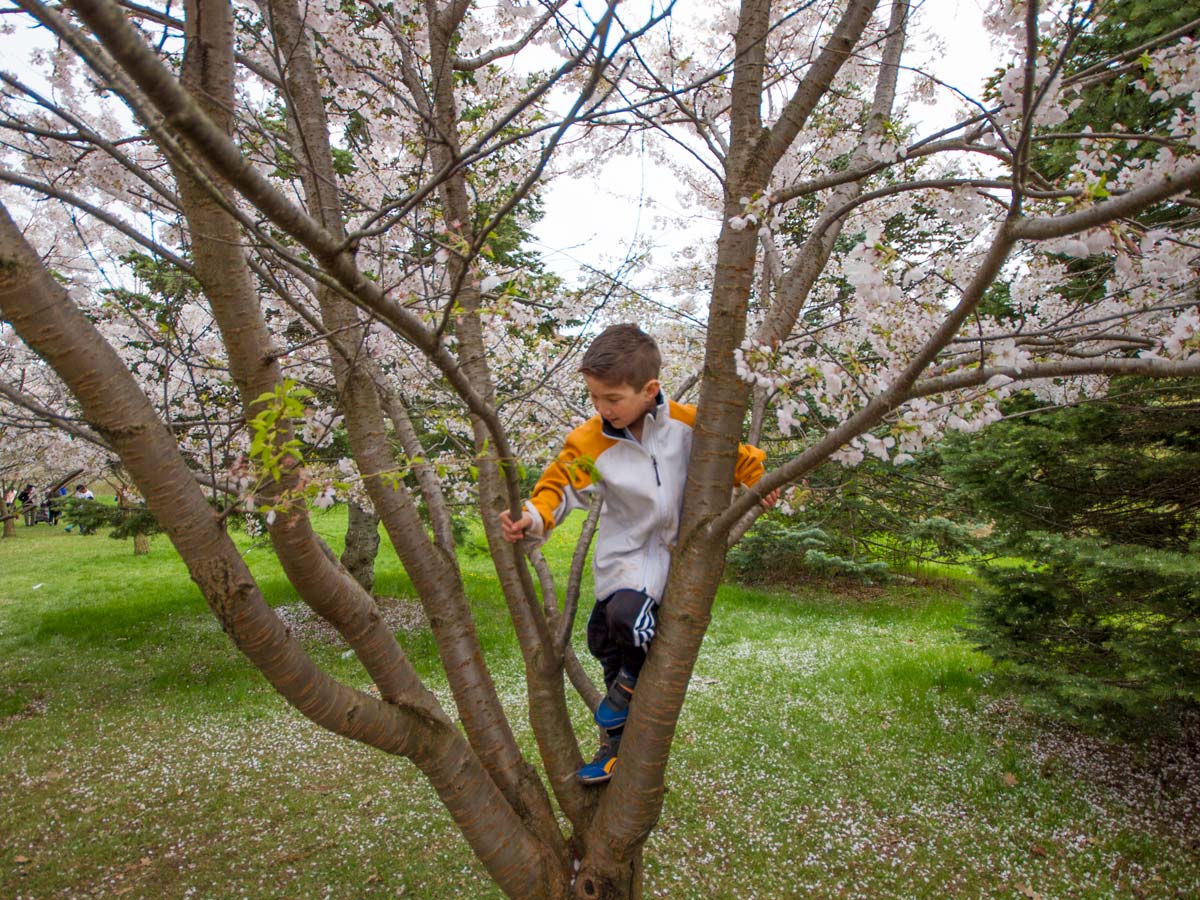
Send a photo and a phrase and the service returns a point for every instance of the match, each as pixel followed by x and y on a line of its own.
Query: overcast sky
pixel 595 221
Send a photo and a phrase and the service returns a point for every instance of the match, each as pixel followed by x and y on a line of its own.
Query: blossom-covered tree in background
pixel 341 186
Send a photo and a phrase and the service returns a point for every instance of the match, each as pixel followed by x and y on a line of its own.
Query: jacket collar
pixel 658 412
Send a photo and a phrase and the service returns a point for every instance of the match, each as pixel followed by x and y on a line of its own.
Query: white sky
pixel 595 221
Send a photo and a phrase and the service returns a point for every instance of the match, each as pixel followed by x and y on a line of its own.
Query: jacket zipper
pixel 649 554
pixel 644 444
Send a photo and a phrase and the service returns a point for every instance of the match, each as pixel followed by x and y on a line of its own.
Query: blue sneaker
pixel 600 769
pixel 614 708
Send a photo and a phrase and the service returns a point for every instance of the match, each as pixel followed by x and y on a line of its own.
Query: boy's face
pixel 621 404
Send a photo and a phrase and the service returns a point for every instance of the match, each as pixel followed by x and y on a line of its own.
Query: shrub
pixel 1097 632
pixel 778 550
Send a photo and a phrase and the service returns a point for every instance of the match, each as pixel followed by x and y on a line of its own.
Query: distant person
pixel 82 492
pixel 53 506
pixel 28 506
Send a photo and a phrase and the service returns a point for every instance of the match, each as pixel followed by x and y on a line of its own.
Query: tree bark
pixel 497 483
pixel 222 270
pixel 9 514
pixel 362 545
pixel 813 255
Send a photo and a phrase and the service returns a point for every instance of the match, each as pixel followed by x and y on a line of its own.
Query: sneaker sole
pixel 600 777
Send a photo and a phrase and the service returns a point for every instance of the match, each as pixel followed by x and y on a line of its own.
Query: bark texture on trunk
pixel 810 260
pixel 362 545
pixel 222 270
pixel 497 483
pixel 8 512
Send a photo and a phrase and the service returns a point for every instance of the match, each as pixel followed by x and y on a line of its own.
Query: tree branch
pixel 68 424
pixel 470 64
pixel 816 81
pixel 1151 367
pixel 181 112
pixel 877 407
pixel 48 190
pixel 1123 206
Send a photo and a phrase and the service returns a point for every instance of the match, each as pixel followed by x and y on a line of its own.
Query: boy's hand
pixel 515 531
pixel 771 499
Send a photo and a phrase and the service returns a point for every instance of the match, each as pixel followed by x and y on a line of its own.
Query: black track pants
pixel 619 630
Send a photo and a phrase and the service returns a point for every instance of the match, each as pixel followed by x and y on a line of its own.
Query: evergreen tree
pixel 1102 502
pixel 125 521
pixel 859 522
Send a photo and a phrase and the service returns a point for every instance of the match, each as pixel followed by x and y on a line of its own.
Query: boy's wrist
pixel 537 526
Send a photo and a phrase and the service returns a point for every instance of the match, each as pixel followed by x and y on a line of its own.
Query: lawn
pixel 833 745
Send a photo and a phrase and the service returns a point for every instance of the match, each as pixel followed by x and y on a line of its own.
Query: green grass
pixel 832 746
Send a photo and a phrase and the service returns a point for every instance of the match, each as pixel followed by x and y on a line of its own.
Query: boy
pixel 635 454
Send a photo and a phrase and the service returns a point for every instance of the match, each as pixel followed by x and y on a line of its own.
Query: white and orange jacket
pixel 641 483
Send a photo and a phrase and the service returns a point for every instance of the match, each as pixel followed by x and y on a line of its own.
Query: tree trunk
pixel 141 544
pixel 8 512
pixel 220 266
pixel 362 545
pixel 630 807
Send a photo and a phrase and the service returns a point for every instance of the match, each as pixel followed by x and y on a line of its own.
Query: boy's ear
pixel 651 388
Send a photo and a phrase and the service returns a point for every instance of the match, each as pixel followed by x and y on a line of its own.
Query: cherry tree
pixel 338 180
pixel 42 438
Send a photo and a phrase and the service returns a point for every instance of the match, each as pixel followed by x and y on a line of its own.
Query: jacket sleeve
pixel 565 485
pixel 749 465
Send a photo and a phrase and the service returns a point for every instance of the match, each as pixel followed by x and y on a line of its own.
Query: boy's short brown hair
pixel 623 354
